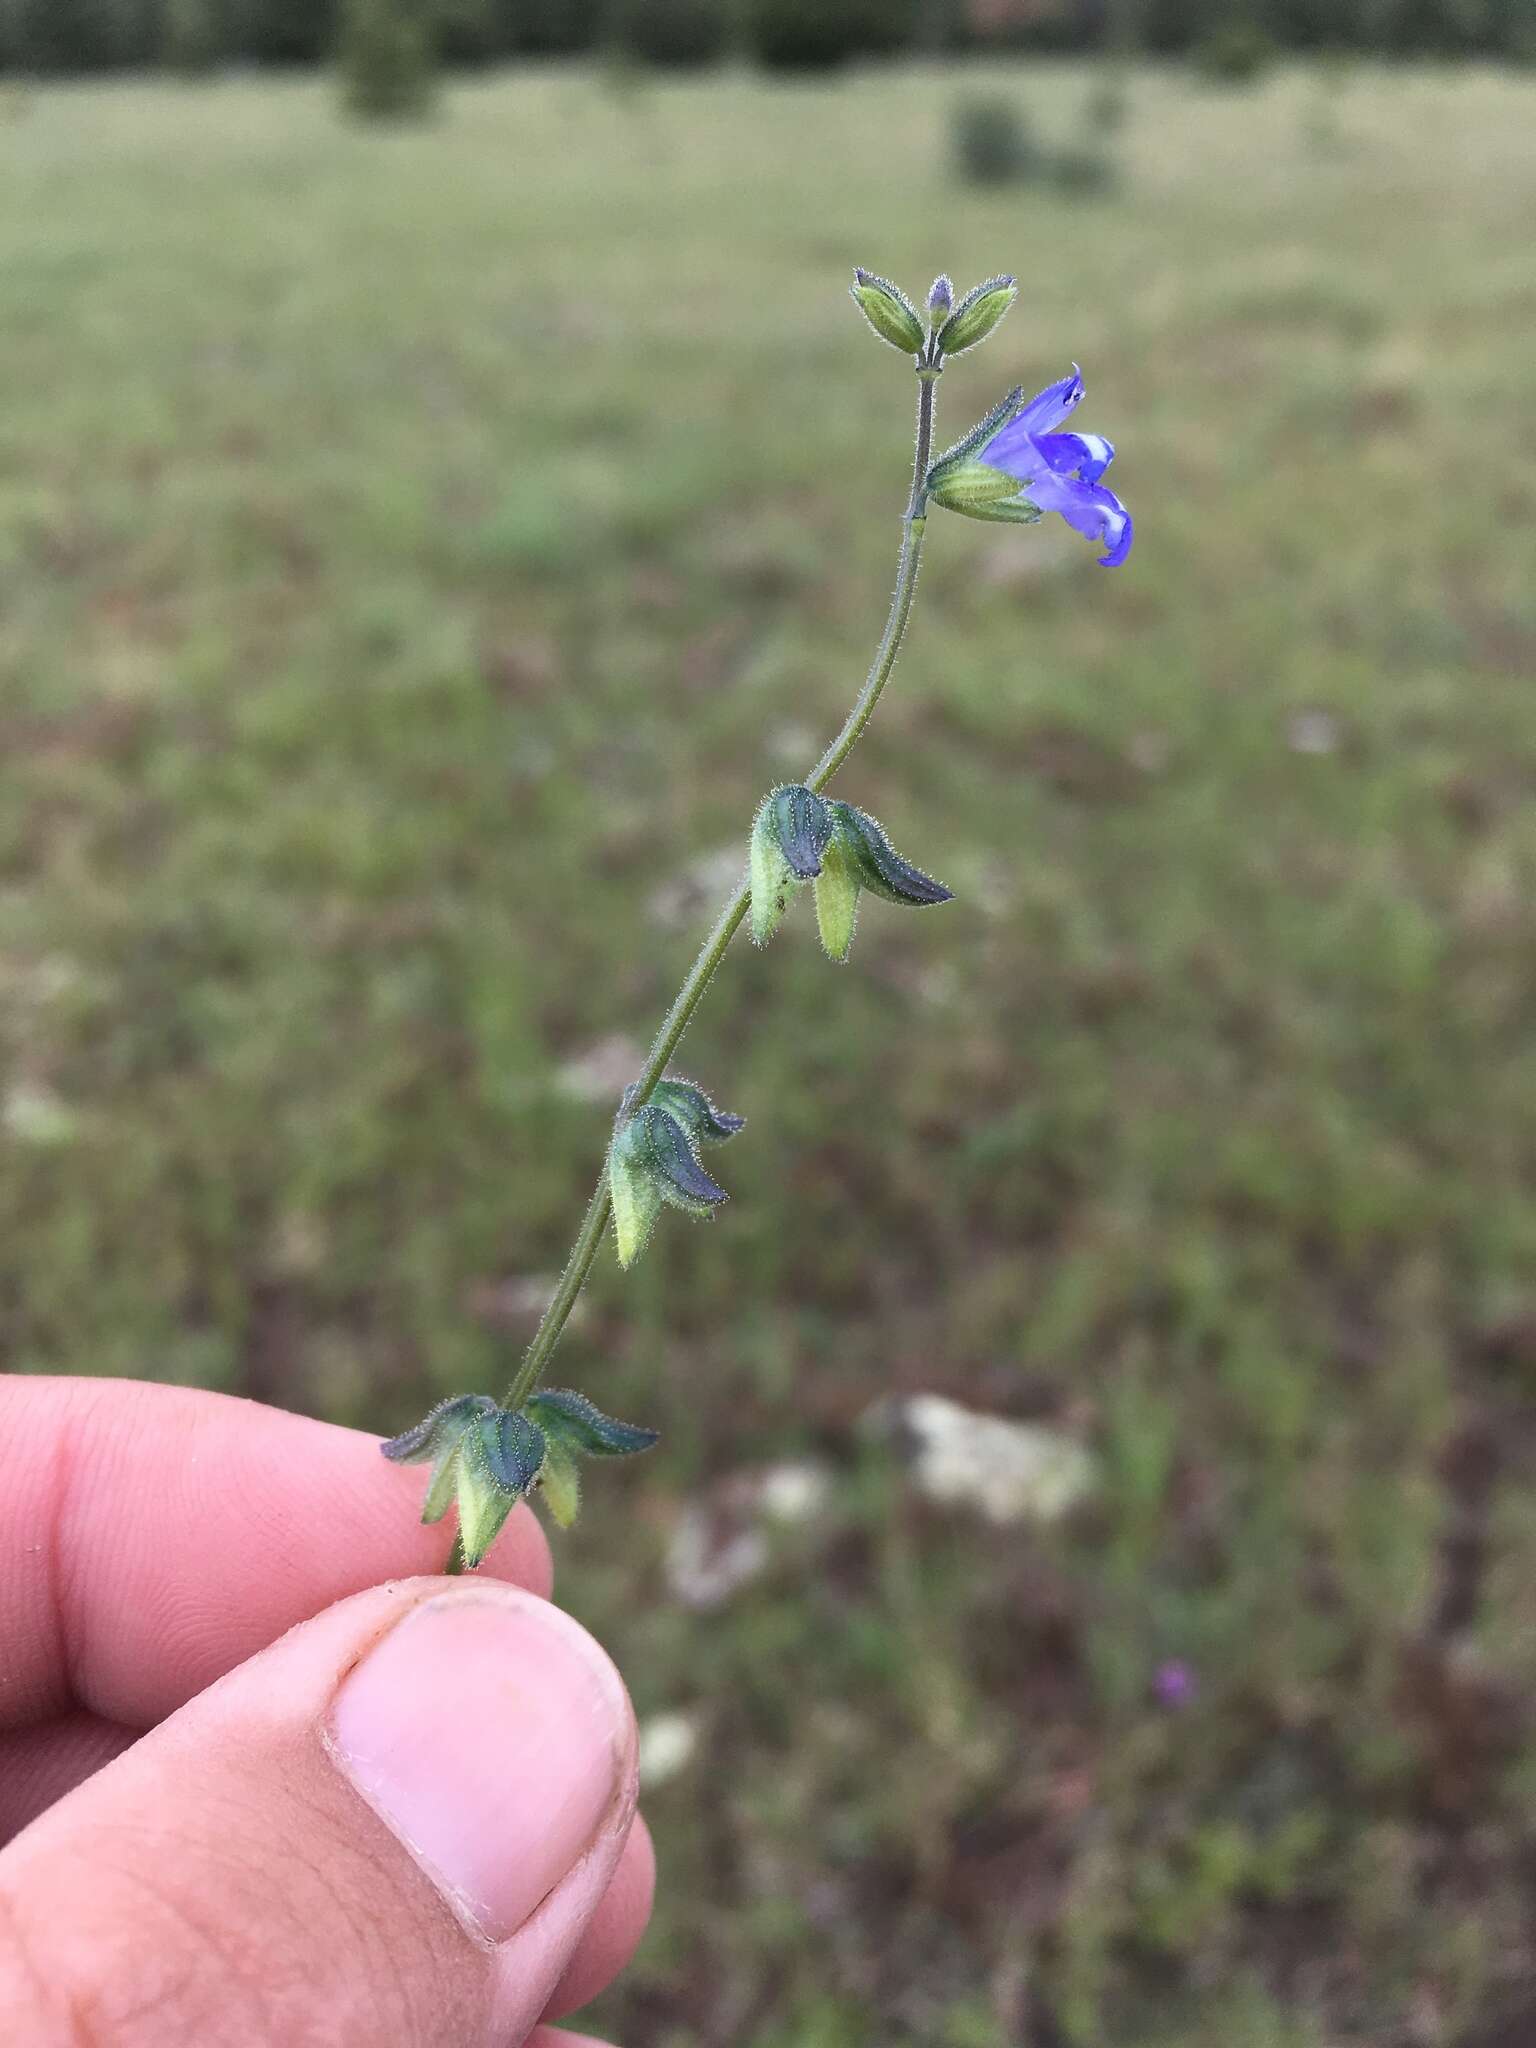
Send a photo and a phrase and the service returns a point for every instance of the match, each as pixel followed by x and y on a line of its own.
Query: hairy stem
pixel 677 1019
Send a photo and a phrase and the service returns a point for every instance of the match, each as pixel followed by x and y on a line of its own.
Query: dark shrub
pixel 673 32
pixel 816 35
pixel 193 36
pixel 992 142
pixel 288 31
pixel 1238 54
pixel 386 54
pixel 550 28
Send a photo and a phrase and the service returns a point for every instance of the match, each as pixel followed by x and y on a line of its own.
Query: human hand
pixel 251 1795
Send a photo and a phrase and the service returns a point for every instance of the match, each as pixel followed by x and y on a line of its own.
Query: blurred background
pixel 422 540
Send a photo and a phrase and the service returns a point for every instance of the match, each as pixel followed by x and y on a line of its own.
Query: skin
pixel 186 1584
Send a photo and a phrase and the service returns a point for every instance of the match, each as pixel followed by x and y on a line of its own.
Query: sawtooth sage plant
pixel 1015 465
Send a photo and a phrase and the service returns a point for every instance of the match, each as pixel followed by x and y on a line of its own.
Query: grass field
pixel 418 552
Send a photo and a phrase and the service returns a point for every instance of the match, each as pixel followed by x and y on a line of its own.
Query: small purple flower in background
pixel 1017 465
pixel 1174 1684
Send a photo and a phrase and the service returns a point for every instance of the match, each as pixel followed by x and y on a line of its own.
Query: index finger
pixel 151 1538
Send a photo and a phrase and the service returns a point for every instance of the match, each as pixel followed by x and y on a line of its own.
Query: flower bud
pixel 789 836
pixel 860 856
pixel 976 315
pixel 889 311
pixel 941 296
pixel 653 1160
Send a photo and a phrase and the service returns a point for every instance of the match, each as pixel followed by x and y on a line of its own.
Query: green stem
pixel 677 1019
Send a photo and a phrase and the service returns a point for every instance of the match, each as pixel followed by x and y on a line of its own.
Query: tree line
pixel 68 36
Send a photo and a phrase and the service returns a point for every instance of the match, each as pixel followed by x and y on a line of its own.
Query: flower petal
pixel 1043 414
pixel 1081 455
pixel 1095 512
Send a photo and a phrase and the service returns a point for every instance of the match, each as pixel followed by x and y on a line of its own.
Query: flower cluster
pixel 800 837
pixel 486 1459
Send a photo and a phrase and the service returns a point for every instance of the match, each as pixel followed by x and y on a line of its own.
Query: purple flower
pixel 1018 465
pixel 1060 472
pixel 1174 1684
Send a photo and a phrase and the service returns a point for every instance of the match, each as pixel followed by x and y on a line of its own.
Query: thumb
pixel 393 1825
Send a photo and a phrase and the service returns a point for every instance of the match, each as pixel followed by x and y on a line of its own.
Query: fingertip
pixel 616 1929
pixel 161 1535
pixel 561 2037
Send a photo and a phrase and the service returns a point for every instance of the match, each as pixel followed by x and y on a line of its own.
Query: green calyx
pixel 957 457
pixel 653 1161
pixel 574 1429
pixel 961 482
pixel 975 488
pixel 889 311
pixel 976 315
pixel 789 838
pixel 800 836
pixel 865 859
pixel 486 1459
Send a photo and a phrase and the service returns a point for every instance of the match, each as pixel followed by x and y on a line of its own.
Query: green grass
pixel 417 549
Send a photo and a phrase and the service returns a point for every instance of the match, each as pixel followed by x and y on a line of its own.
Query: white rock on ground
pixel 1007 1471
pixel 668 1744
pixel 721 1542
